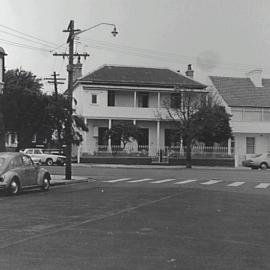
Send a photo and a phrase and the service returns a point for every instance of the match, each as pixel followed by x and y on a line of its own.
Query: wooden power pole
pixel 68 127
pixel 55 81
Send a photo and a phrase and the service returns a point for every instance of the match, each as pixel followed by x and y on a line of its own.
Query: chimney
pixel 190 72
pixel 77 70
pixel 256 77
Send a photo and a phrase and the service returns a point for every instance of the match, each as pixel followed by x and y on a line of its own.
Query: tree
pixel 57 121
pixel 213 123
pixel 23 105
pixel 198 119
pixel 28 112
pixel 124 132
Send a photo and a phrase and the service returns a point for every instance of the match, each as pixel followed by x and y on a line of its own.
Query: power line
pixel 27 39
pixel 21 45
pixel 161 55
pixel 31 36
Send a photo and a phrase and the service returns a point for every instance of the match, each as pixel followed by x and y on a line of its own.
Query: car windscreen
pixel 259 155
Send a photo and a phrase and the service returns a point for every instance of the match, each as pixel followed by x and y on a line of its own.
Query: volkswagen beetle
pixel 17 171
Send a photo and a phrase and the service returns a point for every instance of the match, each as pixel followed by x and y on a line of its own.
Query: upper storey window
pixel 94 98
pixel 143 100
pixel 111 98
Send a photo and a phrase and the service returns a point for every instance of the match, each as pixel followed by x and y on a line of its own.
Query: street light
pixel 72 34
pixel 114 32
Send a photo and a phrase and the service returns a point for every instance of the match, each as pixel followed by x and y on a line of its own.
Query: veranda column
pixel 136 145
pixel 109 140
pixel 135 99
pixel 158 100
pixel 229 146
pixel 158 137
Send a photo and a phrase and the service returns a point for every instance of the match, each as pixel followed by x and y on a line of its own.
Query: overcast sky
pixel 218 37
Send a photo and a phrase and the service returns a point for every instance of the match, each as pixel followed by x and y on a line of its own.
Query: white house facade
pixel 247 99
pixel 116 93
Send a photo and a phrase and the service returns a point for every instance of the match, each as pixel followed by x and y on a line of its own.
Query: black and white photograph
pixel 135 135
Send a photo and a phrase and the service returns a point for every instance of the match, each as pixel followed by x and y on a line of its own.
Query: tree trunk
pixel 188 154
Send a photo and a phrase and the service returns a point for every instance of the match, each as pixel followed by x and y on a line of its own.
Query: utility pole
pixel 68 127
pixel 55 81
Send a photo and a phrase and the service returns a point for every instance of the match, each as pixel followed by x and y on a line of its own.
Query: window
pixel 29 152
pixel 111 98
pixel 13 138
pixel 94 99
pixel 172 137
pixel 144 137
pixel 15 163
pixel 143 100
pixel 250 145
pixel 27 161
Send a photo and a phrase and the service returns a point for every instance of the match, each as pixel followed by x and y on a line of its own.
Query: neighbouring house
pixel 247 99
pixel 121 93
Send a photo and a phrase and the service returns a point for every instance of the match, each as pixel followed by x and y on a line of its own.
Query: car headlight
pixel 2 178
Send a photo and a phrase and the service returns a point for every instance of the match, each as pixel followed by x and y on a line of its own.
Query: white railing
pixel 200 151
pixel 166 152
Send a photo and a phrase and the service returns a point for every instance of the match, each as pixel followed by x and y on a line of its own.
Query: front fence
pixel 164 153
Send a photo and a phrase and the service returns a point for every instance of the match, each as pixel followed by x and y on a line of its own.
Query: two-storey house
pixel 247 99
pixel 137 94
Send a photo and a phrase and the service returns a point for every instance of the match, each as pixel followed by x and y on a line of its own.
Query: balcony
pixel 123 112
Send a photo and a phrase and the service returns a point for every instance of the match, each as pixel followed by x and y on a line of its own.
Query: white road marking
pixel 117 180
pixel 185 181
pixel 163 181
pixel 263 185
pixel 211 182
pixel 140 180
pixel 236 184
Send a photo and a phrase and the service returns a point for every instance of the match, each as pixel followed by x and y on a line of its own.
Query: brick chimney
pixel 256 77
pixel 190 72
pixel 77 69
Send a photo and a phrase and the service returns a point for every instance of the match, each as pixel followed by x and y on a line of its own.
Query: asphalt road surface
pixel 140 225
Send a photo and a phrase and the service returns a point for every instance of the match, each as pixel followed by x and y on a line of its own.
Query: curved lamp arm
pixel 114 32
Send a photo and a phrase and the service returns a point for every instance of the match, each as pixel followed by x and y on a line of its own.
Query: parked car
pixel 259 161
pixel 46 158
pixel 17 171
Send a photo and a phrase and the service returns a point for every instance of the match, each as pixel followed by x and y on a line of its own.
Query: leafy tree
pixel 23 105
pixel 197 119
pixel 57 121
pixel 124 131
pixel 213 123
pixel 28 112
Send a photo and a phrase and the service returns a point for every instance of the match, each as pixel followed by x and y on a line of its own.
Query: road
pixel 140 225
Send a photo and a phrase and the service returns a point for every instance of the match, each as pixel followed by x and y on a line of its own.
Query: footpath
pixel 92 165
pixel 60 180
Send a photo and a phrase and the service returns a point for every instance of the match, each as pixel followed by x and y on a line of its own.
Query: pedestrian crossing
pixel 182 182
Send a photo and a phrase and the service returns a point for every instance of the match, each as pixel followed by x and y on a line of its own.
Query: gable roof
pixel 241 92
pixel 140 76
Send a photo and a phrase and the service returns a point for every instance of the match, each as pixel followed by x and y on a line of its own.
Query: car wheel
pixel 14 187
pixel 49 162
pixel 263 166
pixel 45 184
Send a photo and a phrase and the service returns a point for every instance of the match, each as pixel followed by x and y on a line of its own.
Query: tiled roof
pixel 241 92
pixel 139 76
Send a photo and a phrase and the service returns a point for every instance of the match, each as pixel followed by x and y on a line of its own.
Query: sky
pixel 218 37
